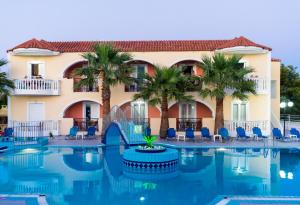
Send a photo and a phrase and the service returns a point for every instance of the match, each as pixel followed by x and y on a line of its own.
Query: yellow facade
pixel 259 107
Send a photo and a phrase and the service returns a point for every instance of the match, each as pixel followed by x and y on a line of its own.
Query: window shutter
pixel 28 70
pixel 42 69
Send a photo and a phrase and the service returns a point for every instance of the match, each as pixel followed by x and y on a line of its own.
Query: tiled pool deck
pixel 60 142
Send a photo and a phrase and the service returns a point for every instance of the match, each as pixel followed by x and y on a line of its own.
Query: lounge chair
pixel 8 134
pixel 73 133
pixel 258 134
pixel 223 132
pixel 171 133
pixel 294 133
pixel 148 131
pixel 278 135
pixel 3 149
pixel 241 133
pixel 91 133
pixel 189 134
pixel 205 133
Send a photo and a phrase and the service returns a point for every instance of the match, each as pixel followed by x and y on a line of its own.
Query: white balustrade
pixel 261 85
pixel 247 125
pixel 37 87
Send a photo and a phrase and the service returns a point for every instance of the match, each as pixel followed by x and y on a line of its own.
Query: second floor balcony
pixel 41 87
pixel 261 85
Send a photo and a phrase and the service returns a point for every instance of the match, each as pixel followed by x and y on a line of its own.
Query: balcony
pixel 183 123
pixel 132 88
pixel 261 85
pixel 231 125
pixel 37 87
pixel 84 88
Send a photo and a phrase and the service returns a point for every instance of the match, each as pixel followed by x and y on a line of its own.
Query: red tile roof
pixel 242 41
pixel 140 46
pixel 276 60
pixel 34 43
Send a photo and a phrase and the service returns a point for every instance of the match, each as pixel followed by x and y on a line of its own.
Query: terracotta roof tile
pixel 140 46
pixel 34 43
pixel 276 60
pixel 242 41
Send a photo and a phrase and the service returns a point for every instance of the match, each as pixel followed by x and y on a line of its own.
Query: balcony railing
pixel 183 123
pixel 84 123
pixel 34 128
pixel 261 85
pixel 37 87
pixel 247 125
pixel 141 121
pixel 132 88
pixel 84 88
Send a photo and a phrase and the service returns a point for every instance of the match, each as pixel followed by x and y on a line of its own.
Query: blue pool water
pixel 87 176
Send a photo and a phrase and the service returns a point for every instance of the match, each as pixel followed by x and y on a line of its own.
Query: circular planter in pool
pixel 145 163
pixel 155 149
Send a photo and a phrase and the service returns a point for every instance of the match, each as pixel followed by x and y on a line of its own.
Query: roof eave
pixel 243 50
pixel 34 52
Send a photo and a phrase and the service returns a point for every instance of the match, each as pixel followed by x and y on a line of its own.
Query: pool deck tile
pixel 61 142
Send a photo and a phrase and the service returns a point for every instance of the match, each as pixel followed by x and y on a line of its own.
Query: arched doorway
pixel 70 73
pixel 190 67
pixel 140 67
pixel 189 114
pixel 84 114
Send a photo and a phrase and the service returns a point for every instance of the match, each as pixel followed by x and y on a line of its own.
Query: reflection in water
pixel 83 159
pixel 95 176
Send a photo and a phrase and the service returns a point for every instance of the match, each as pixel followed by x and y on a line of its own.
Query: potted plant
pixel 149 147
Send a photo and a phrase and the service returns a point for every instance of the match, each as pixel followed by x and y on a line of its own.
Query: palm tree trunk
pixel 219 119
pixel 106 103
pixel 164 123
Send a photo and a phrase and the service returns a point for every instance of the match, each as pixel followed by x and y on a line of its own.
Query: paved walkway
pixel 61 142
pixel 235 143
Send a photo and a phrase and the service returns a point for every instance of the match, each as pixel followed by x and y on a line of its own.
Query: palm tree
pixel 89 74
pixel 6 85
pixel 167 84
pixel 109 65
pixel 221 73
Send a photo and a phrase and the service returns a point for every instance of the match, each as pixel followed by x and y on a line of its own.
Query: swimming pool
pixel 94 176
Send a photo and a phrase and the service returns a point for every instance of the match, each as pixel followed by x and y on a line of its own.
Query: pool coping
pixel 41 198
pixel 218 199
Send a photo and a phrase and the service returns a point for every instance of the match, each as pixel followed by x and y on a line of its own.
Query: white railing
pixel 34 128
pixel 37 87
pixel 261 85
pixel 247 125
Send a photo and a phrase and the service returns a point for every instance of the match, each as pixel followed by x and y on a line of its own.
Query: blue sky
pixel 274 23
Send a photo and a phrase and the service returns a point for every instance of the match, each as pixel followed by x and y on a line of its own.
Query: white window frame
pixel 42 68
pixel 135 66
pixel 84 104
pixel 245 62
pixel 239 102
pixel 139 102
pixel 193 104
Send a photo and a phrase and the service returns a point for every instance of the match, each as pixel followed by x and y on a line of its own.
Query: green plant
pixel 167 84
pixel 221 73
pixel 149 140
pixel 108 65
